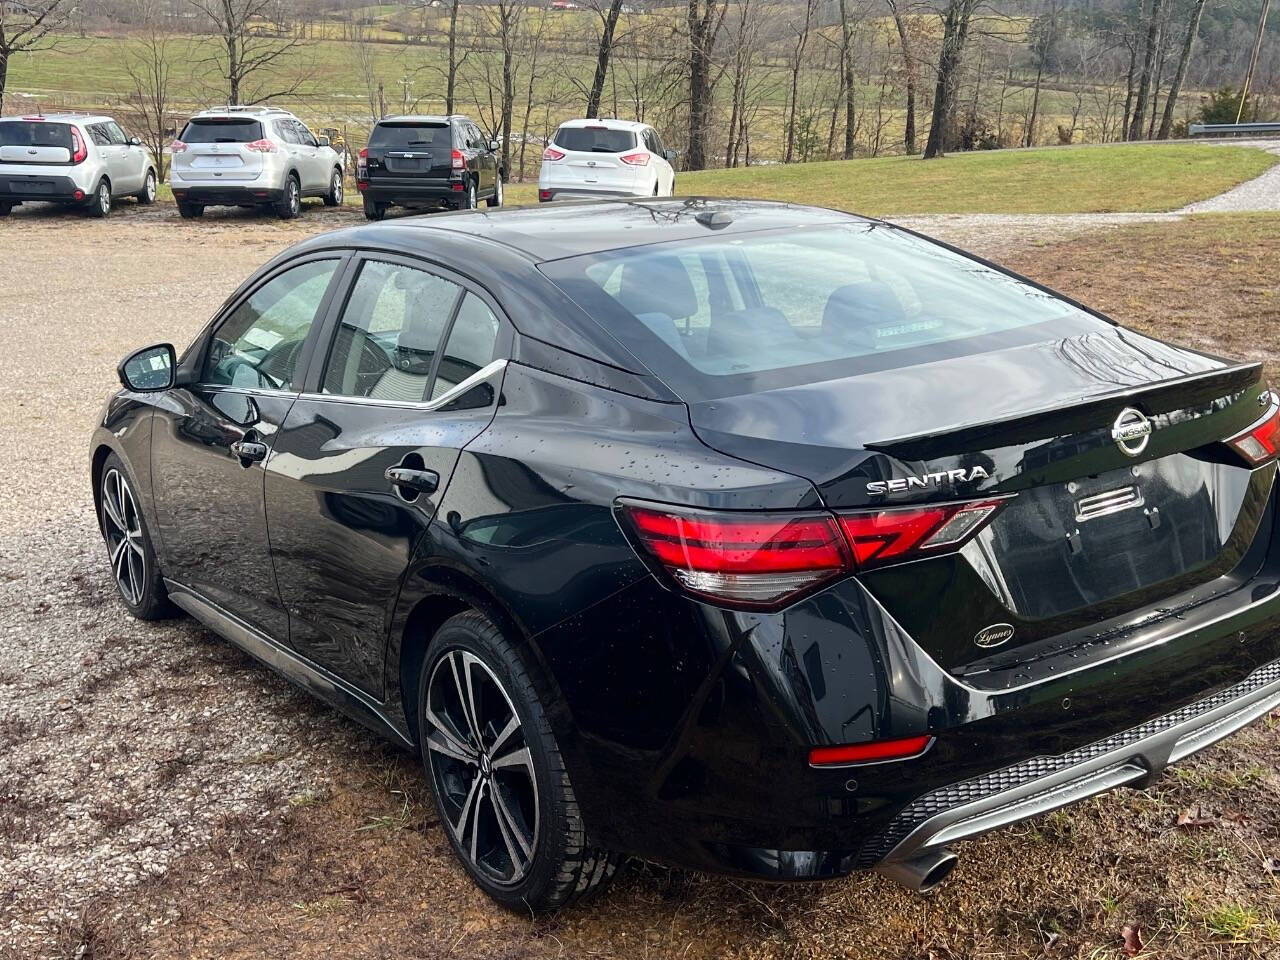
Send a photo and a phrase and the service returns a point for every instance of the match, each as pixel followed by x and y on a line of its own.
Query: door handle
pixel 420 481
pixel 249 450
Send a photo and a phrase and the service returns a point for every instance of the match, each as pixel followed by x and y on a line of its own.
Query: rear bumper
pixel 414 192
pixel 225 195
pixel 59 189
pixel 548 194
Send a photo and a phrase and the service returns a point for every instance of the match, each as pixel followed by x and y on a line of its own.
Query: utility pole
pixel 406 83
pixel 1253 59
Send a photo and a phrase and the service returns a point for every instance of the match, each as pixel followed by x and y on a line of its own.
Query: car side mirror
pixel 149 369
pixel 135 142
pixel 495 145
pixel 671 155
pixel 322 141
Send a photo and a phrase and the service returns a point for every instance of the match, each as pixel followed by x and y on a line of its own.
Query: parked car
pixel 606 158
pixel 750 537
pixel 74 159
pixel 428 162
pixel 252 157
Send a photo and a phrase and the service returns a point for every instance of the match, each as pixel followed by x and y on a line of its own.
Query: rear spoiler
pixel 1062 419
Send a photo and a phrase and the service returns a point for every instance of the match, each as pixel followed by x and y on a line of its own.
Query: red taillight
pixel 877 751
pixel 551 153
pixel 459 162
pixel 636 159
pixel 364 154
pixel 763 561
pixel 261 146
pixel 544 194
pixel 78 149
pixel 749 560
pixel 1261 442
pixel 891 536
pixel 177 147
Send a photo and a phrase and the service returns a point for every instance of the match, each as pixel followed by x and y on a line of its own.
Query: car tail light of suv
pixel 640 159
pixel 458 161
pixel 551 153
pixel 764 561
pixel 78 149
pixel 177 147
pixel 261 146
pixel 1261 441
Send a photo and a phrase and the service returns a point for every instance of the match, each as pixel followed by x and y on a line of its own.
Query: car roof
pixel 422 118
pixel 62 117
pixel 567 229
pixel 236 111
pixel 609 122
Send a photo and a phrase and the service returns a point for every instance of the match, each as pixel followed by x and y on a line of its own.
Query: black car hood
pixel 927 415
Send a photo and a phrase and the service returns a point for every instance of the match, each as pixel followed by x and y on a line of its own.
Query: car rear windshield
pixel 407 136
pixel 747 312
pixel 221 130
pixel 34 133
pixel 594 139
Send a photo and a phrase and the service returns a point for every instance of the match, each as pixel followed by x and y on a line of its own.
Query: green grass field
pixel 1134 179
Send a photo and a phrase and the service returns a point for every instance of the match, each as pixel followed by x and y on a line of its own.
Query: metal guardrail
pixel 1234 129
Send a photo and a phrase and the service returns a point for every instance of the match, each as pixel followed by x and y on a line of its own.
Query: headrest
pixel 856 310
pixel 657 283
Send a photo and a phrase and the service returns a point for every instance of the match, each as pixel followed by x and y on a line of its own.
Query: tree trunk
pixel 602 58
pixel 1128 91
pixel 700 40
pixel 909 136
pixel 1029 140
pixel 1193 28
pixel 1148 67
pixel 846 79
pixel 451 79
pixel 4 76
pixel 955 33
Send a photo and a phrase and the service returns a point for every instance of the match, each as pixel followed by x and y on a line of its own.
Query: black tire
pixel 100 203
pixel 374 211
pixel 147 195
pixel 131 558
pixel 496 199
pixel 468 199
pixel 290 203
pixel 561 865
pixel 190 211
pixel 334 197
pixel 5 209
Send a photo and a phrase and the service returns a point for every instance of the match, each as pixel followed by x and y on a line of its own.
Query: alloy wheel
pixel 104 198
pixel 123 528
pixel 481 767
pixel 498 194
pixel 471 196
pixel 150 188
pixel 336 189
pixel 295 202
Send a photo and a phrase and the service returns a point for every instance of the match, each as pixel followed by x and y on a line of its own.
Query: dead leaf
pixel 1195 817
pixel 1131 933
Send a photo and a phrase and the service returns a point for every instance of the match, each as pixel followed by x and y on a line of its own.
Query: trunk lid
pixel 216 149
pixel 1104 519
pixel 593 157
pixel 411 150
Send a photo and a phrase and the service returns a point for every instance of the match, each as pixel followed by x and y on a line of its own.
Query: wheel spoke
pixel 465 696
pixel 517 758
pixel 135 576
pixel 443 742
pixel 512 726
pixel 460 828
pixel 507 823
pixel 113 511
pixel 475 827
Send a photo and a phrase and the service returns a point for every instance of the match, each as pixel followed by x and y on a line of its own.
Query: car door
pixel 287 137
pixel 666 173
pixel 488 161
pixel 212 440
pixel 316 177
pixel 365 454
pixel 126 177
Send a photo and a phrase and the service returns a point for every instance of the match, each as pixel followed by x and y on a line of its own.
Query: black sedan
pixel 748 537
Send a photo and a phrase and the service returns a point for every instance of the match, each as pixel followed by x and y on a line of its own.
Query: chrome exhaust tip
pixel 920 874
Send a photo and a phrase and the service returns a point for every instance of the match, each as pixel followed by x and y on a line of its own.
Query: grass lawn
pixel 1076 180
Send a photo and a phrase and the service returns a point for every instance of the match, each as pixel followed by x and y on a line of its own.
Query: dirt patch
pixel 161 795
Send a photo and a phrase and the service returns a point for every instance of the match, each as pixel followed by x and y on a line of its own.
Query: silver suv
pixel 72 158
pixel 252 156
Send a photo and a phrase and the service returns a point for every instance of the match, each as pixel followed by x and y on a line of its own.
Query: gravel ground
pixel 125 746
pixel 1260 193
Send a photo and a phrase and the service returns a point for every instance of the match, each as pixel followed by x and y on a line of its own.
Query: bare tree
pixel 365 65
pixel 149 62
pixel 24 26
pixel 800 42
pixel 703 19
pixel 909 68
pixel 1193 28
pixel 250 60
pixel 451 77
pixel 1043 41
pixel 609 23
pixel 1148 68
pixel 955 33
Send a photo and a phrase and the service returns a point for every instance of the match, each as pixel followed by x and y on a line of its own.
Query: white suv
pixel 252 156
pixel 72 158
pixel 606 158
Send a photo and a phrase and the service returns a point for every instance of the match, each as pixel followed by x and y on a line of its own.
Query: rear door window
pixel 411 136
pixel 221 130
pixel 595 139
pixel 98 133
pixel 470 347
pixel 115 134
pixel 35 133
pixel 389 333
